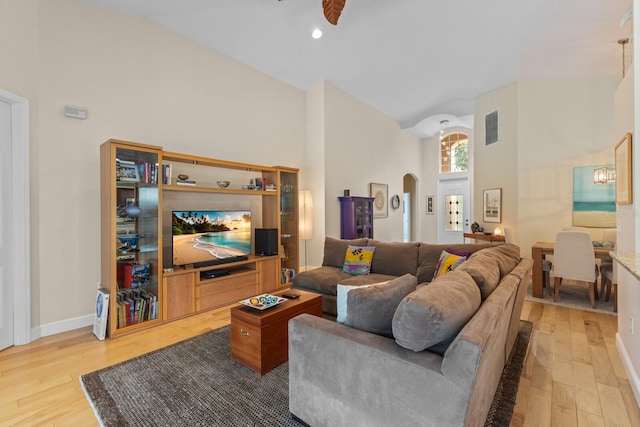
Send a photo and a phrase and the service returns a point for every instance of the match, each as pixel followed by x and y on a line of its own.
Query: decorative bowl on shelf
pixel 223 184
pixel 130 240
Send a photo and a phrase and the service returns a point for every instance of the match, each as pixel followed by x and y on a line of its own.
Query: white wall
pixel 362 145
pixel 627 113
pixel 546 127
pixel 495 165
pixel 139 82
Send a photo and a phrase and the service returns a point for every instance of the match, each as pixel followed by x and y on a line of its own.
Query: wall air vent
pixel 491 128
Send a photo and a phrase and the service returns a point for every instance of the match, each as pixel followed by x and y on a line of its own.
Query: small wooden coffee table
pixel 259 339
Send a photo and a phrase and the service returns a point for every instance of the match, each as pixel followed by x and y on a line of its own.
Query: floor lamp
pixel 305 220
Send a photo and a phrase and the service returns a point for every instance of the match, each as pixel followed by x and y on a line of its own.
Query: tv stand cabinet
pixel 188 292
pixel 136 172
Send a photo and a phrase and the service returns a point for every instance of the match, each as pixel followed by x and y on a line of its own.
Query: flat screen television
pixel 210 237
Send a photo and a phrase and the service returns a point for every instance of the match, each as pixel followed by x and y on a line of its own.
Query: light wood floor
pixel 572 375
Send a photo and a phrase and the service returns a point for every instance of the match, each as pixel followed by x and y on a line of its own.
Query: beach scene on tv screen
pixel 206 235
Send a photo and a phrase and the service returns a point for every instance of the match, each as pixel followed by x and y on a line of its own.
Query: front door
pixel 453 209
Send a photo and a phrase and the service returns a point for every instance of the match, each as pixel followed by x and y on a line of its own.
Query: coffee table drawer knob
pixel 243 332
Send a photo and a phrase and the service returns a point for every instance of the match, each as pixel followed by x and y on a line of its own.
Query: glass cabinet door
pixel 289 253
pixel 136 297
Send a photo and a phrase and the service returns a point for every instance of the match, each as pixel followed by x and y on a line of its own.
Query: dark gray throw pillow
pixel 371 308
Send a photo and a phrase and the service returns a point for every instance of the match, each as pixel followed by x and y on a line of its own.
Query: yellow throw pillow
pixel 448 262
pixel 357 260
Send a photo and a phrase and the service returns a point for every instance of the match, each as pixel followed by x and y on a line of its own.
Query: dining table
pixel 540 250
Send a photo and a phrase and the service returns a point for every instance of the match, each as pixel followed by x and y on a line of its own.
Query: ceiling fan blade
pixel 332 10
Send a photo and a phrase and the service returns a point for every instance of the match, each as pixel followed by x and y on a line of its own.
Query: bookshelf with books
pixel 131 239
pixel 138 264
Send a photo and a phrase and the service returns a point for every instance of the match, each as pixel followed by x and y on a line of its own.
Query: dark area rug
pixel 195 383
pixel 505 398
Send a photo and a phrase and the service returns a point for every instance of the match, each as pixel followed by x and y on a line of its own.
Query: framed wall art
pixel 380 194
pixel 624 172
pixel 492 205
pixel 594 199
pixel 430 205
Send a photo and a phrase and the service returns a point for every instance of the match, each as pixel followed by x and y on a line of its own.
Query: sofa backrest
pixel 429 254
pixel 394 258
pixel 475 358
pixel 336 249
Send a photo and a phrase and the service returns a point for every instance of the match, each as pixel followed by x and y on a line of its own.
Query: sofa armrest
pixel 343 376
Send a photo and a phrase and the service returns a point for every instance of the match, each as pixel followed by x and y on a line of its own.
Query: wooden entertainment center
pixel 139 191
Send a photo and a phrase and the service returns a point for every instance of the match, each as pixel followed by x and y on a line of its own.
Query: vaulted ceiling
pixel 416 60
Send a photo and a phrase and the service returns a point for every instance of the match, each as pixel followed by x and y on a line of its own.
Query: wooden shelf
pixel 197 189
pixel 204 161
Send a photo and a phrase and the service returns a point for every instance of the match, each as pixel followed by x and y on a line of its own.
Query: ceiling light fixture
pixel 316 33
pixel 623 42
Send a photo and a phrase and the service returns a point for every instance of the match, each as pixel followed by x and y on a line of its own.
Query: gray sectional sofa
pixel 450 337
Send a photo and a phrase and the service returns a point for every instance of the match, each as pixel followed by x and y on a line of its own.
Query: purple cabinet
pixel 356 217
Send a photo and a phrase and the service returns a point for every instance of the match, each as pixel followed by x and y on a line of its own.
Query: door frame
pixel 18 238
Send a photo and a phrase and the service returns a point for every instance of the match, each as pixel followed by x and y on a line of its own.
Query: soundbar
pixel 219 261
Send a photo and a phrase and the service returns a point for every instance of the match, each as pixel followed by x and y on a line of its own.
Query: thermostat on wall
pixel 75 112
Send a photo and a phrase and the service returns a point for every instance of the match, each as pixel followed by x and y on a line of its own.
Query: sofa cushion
pixel 322 279
pixel 429 255
pixel 334 250
pixel 357 259
pixel 371 308
pixel 341 298
pixel 448 262
pixel 394 258
pixel 437 312
pixel 368 279
pixel 485 272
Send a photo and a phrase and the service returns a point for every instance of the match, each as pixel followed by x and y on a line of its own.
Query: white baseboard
pixel 632 375
pixel 61 326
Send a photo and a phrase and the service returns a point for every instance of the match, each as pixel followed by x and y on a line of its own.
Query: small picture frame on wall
pixel 624 172
pixel 380 194
pixel 430 205
pixel 492 205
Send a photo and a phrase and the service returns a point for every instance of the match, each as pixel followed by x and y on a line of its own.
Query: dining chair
pixel 606 268
pixel 509 237
pixel 608 279
pixel 574 258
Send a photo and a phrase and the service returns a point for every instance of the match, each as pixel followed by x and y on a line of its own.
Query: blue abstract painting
pixel 594 203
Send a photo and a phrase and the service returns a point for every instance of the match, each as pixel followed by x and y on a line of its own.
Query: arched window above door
pixel 454 152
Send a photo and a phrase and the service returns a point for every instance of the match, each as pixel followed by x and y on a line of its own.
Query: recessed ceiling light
pixel 316 34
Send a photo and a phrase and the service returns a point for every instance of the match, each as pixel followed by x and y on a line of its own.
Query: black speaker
pixel 266 241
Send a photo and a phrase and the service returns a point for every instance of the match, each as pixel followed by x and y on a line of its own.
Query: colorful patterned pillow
pixel 448 262
pixel 357 260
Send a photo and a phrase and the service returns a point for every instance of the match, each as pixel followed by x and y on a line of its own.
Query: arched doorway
pixel 409 208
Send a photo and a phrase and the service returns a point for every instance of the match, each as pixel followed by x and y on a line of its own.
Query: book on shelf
pixel 186 182
pixel 136 305
pixel 148 172
pixel 167 170
pixel 133 275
